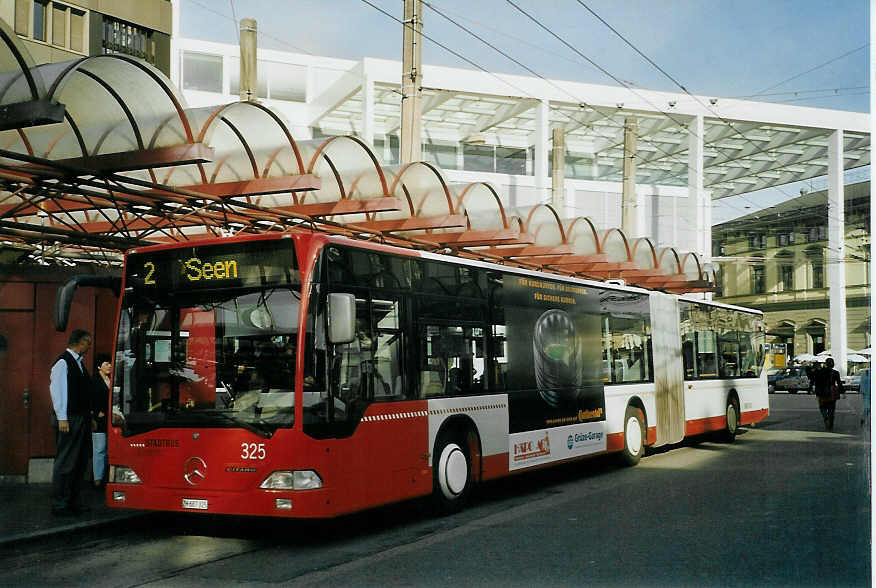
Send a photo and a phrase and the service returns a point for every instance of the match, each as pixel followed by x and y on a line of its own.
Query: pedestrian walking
pixel 70 388
pixel 828 387
pixel 865 395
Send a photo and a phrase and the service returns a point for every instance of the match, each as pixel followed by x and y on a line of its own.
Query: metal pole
pixel 412 80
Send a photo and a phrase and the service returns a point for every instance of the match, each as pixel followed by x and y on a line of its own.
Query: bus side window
pixel 688 344
pixel 388 365
pixel 626 336
pixel 449 364
pixel 498 353
pixel 351 360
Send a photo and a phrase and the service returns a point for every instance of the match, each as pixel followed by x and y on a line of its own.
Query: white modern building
pixel 497 128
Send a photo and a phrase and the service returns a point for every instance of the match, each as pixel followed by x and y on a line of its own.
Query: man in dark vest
pixel 70 387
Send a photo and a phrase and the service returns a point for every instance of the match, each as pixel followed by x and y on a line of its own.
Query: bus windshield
pixel 216 352
pixel 214 360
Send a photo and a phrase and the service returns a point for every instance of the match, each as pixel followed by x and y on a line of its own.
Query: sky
pixel 802 52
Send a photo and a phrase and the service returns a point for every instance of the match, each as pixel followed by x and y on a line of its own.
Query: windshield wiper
pixel 249 426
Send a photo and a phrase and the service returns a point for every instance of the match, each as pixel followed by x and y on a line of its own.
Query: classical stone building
pixel 775 260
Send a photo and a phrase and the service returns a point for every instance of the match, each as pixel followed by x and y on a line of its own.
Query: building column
pixel 696 193
pixel 542 140
pixel 175 52
pixel 836 271
pixel 367 107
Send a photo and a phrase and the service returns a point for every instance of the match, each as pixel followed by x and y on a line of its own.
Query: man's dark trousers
pixel 70 463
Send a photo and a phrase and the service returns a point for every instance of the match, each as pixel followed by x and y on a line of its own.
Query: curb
pixel 69 527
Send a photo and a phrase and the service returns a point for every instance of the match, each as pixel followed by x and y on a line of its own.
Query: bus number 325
pixel 252 451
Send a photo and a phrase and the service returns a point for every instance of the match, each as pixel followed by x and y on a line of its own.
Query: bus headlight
pixel 120 474
pixel 292 480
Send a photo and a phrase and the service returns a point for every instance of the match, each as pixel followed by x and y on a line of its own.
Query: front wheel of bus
pixel 732 414
pixel 634 436
pixel 452 472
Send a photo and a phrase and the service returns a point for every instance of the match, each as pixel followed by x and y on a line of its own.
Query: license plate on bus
pixel 194 503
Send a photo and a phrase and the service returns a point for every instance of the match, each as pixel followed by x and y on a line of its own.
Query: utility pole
pixel 629 211
pixel 248 61
pixel 412 79
pixel 558 175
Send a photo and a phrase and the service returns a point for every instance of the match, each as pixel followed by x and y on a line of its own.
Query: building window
pixel 127 39
pixel 787 276
pixel 441 154
pixel 479 158
pixel 784 239
pixel 45 21
pixel 757 241
pixel 59 25
pixel 758 279
pixel 22 17
pixel 816 234
pixel 40 20
pixel 77 30
pixel 817 275
pixel 511 161
pixel 202 72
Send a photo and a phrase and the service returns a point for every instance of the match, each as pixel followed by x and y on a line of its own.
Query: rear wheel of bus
pixel 732 415
pixel 634 436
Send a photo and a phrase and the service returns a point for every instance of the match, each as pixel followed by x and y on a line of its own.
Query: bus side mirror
pixel 341 317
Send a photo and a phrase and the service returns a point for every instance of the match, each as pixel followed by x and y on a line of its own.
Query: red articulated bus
pixel 309 375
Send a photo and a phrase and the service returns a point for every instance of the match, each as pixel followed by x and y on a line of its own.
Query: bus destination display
pixel 216 266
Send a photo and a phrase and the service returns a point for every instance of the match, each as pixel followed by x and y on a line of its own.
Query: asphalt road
pixel 786 505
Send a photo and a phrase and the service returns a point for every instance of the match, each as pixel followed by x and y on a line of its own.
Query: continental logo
pixel 582 416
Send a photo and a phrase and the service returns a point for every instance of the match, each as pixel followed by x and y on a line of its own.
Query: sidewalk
pixel 25 513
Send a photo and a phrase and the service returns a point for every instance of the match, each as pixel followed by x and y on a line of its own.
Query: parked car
pixel 852 383
pixel 772 374
pixel 793 379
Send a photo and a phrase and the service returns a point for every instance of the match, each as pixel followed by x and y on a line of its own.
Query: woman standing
pixel 828 387
pixel 99 402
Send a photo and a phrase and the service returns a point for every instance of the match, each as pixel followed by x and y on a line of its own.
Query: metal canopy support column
pixel 836 271
pixel 542 132
pixel 367 107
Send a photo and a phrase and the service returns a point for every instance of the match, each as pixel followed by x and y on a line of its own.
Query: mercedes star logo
pixel 195 471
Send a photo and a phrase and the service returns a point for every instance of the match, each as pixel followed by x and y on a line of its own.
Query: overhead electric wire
pixel 514 38
pixel 645 140
pixel 817 67
pixel 672 157
pixel 680 124
pixel 738 132
pixel 260 32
